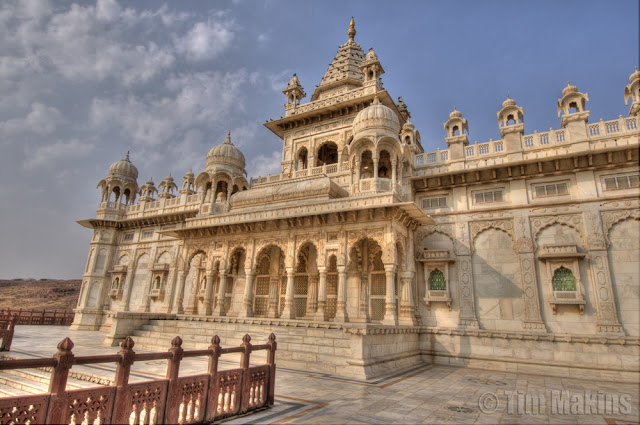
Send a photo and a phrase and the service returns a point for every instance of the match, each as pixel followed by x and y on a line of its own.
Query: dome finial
pixel 352 29
pixel 127 155
pixel 228 137
pixel 508 96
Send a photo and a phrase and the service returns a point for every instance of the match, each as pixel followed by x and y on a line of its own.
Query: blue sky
pixel 80 84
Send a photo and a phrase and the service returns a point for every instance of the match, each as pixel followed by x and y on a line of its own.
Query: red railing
pixel 191 399
pixel 7 327
pixel 40 317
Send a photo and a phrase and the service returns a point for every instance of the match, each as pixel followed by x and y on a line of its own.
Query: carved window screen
pixel 563 280
pixel 437 281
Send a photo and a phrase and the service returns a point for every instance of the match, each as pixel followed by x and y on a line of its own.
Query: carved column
pixel 341 307
pixel 390 313
pixel 407 307
pixel 607 313
pixel 532 319
pixel 247 301
pixel 321 314
pixel 375 167
pixel 129 280
pixel 365 285
pixel 394 163
pixel 467 298
pixel 208 295
pixel 312 296
pixel 228 206
pixel 214 186
pixel 222 292
pixel 178 308
pixel 288 312
pixel 274 296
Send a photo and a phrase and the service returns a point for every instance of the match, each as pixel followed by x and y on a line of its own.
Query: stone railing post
pixel 214 389
pixel 173 397
pixel 271 361
pixel 123 369
pixel 58 383
pixel 246 375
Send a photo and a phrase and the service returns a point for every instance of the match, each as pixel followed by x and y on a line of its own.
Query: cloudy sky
pixel 82 83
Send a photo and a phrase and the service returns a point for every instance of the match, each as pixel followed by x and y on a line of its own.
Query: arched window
pixel 302 159
pixel 436 281
pixel 157 283
pixel 116 283
pixel 563 280
pixel 327 154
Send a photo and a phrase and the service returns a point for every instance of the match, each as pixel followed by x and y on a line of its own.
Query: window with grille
pixel 563 280
pixel 488 197
pixel 147 234
pixel 128 237
pixel 622 182
pixel 436 281
pixel 550 189
pixel 435 202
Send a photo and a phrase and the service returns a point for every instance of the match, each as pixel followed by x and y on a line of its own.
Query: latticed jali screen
pixel 332 294
pixel 377 296
pixel 228 294
pixel 262 295
pixel 300 288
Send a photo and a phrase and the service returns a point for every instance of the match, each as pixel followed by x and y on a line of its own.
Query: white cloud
pixel 49 155
pixel 262 165
pixel 206 40
pixel 197 101
pixel 264 38
pixel 41 120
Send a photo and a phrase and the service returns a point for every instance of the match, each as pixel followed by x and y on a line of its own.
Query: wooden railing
pixel 190 399
pixel 7 327
pixel 40 317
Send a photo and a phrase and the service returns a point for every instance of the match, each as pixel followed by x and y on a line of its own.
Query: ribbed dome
pixel 226 154
pixel 408 126
pixel 569 89
pixel 458 114
pixel 508 102
pixel 376 116
pixel 124 168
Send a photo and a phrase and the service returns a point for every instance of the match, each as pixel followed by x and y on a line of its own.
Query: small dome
pixel 376 116
pixel 508 102
pixel 569 89
pixel 635 75
pixel 189 174
pixel 458 114
pixel 168 179
pixel 124 168
pixel 408 126
pixel 226 154
pixel 150 182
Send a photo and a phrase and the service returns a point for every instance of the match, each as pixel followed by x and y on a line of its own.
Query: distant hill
pixel 39 294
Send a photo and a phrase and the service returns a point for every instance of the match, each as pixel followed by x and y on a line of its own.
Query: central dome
pixel 376 117
pixel 226 154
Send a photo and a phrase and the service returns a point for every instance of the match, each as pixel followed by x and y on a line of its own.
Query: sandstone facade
pixel 368 254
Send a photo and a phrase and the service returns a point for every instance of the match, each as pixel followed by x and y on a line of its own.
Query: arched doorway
pixel 270 273
pixel 305 282
pixel 366 260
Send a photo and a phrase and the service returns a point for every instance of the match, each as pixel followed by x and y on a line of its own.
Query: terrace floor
pixel 429 394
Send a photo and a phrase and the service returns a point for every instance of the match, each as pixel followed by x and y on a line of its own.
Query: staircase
pixel 303 346
pixel 21 382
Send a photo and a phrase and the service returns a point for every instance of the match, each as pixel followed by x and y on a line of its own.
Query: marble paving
pixel 428 394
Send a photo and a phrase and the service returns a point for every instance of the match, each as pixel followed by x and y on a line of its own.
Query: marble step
pixel 33 381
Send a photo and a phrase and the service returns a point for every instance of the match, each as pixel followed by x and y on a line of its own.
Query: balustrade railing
pixel 7 328
pixel 190 399
pixel 39 317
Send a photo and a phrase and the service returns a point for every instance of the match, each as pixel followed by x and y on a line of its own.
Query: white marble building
pixel 367 254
